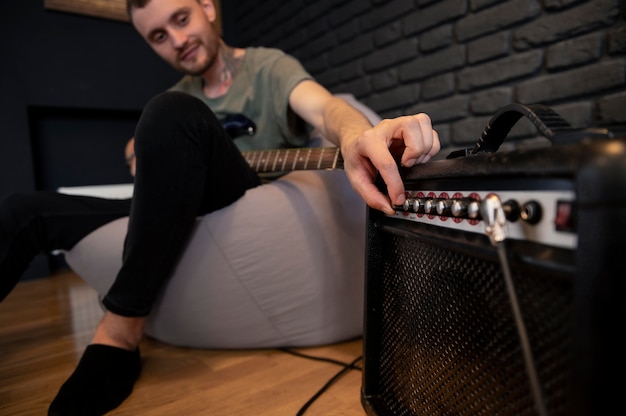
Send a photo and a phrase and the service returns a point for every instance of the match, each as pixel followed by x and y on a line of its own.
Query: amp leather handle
pixel 547 121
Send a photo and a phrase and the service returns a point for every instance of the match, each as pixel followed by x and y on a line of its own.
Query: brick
pixel 611 109
pixel 387 34
pixel 490 101
pixel 292 42
pixel 391 55
pixel 396 98
pixel 360 87
pixel 436 38
pixel 467 131
pixel 488 47
pixel 316 65
pixel 351 71
pixel 349 30
pixel 443 132
pixel 442 61
pixel 476 5
pixel 384 80
pixel 502 70
pixel 350 10
pixel 328 78
pixel 434 15
pixel 553 27
pixel 587 80
pixel 381 15
pixel 348 51
pixel 438 87
pixel 560 4
pixel 578 114
pixel 392 113
pixel 284 12
pixel 617 40
pixel 319 29
pixel 496 18
pixel 322 45
pixel 577 51
pixel 312 13
pixel 423 3
pixel 448 109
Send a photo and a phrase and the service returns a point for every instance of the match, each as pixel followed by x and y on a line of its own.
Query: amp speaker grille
pixel 448 340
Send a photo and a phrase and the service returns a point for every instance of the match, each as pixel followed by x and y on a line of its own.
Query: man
pixel 186 166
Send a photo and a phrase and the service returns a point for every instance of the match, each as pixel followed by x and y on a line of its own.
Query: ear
pixel 209 9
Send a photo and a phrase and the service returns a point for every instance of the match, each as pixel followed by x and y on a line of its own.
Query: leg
pixel 186 166
pixel 36 222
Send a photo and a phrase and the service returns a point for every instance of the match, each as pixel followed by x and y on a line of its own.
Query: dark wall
pixel 59 61
pixel 457 60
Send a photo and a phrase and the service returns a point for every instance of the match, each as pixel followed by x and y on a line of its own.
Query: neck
pixel 218 79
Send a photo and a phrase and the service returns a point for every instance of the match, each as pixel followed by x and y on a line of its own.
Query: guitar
pixel 284 160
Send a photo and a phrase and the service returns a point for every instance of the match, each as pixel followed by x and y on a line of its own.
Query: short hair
pixel 135 4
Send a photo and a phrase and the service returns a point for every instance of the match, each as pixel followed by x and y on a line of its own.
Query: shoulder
pixel 262 57
pixel 273 65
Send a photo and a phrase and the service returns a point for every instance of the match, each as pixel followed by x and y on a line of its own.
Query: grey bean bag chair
pixel 282 266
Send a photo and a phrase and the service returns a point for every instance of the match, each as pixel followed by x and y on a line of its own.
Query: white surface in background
pixel 116 191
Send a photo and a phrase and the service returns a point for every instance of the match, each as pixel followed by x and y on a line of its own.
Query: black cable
pixel 324 359
pixel 346 367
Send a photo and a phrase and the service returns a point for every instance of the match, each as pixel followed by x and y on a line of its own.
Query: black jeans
pixel 187 166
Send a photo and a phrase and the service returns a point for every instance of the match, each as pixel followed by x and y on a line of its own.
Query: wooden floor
pixel 45 325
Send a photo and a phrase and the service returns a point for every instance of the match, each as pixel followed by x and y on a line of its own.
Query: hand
pixel 409 139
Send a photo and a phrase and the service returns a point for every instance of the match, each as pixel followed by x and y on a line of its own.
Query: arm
pixel 367 150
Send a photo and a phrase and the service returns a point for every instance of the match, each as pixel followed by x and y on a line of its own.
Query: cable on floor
pixel 346 367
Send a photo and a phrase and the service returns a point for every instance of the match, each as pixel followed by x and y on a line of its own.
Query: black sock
pixel 103 379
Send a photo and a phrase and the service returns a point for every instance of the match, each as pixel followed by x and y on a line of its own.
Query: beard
pixel 206 55
pixel 196 68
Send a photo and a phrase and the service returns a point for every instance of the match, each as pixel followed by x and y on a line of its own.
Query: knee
pixel 172 116
pixel 175 106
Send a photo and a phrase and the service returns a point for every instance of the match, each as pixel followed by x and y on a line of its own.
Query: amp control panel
pixel 543 216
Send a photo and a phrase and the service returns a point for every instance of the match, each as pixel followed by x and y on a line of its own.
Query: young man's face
pixel 180 32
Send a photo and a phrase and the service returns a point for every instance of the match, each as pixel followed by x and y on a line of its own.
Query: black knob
pixel 512 211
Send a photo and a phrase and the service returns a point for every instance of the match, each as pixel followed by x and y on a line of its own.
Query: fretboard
pixel 284 160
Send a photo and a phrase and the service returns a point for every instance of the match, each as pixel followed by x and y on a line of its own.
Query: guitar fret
pixel 283 160
pixel 319 161
pixel 336 158
pixel 258 166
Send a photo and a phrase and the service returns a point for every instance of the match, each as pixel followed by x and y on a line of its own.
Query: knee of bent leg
pixel 174 107
pixel 172 116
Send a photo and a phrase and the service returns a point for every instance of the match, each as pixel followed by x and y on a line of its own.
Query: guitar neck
pixel 285 160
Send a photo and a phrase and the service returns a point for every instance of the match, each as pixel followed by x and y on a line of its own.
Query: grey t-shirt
pixel 260 91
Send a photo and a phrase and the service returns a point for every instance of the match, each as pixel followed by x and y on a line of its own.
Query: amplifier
pixel 499 287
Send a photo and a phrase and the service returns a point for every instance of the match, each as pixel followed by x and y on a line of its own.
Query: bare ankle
pixel 119 331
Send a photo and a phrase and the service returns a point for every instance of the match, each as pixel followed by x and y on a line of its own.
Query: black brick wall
pixel 457 60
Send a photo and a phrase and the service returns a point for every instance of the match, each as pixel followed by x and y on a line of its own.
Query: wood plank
pixel 45 325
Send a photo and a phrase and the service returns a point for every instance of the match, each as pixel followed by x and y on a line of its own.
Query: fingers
pixel 420 140
pixel 419 143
